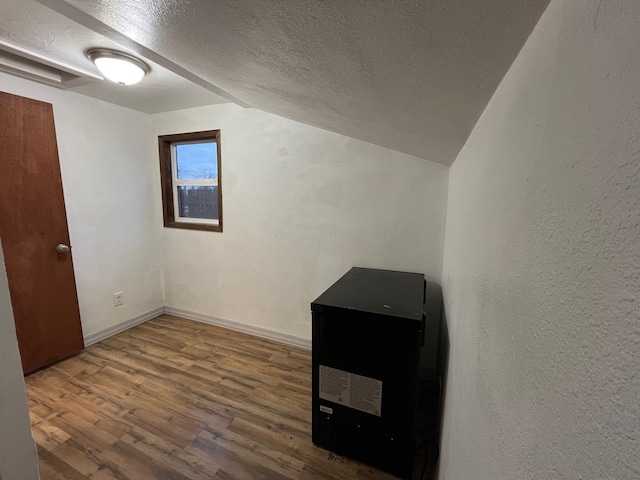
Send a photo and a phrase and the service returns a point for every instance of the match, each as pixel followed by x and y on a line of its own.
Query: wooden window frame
pixel 165 143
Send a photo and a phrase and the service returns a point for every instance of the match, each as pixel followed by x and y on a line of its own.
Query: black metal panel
pixel 381 292
pixel 356 336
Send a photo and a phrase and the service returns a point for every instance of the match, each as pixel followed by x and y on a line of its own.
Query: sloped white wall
pixel 18 459
pixel 301 207
pixel 108 164
pixel 542 260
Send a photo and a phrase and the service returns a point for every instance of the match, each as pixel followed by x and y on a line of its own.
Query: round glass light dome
pixel 121 68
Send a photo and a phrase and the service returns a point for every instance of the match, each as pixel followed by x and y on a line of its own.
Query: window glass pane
pixel 198 202
pixel 196 161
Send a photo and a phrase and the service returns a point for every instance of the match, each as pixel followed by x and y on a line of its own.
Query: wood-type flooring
pixel 178 399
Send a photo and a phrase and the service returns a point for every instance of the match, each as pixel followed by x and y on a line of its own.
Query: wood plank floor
pixel 177 399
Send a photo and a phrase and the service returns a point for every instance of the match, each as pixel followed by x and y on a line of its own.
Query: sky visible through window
pixel 197 160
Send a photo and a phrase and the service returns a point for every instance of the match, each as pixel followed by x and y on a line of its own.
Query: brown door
pixel 33 229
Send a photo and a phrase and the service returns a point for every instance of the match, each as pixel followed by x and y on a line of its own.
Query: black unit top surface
pixel 382 292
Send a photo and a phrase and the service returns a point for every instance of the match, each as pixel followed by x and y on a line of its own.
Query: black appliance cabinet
pixel 367 332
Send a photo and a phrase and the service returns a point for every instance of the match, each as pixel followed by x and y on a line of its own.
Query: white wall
pixel 301 207
pixel 542 260
pixel 18 459
pixel 108 163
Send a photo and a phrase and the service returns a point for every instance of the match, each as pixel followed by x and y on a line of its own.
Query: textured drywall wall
pixel 111 195
pixel 542 260
pixel 301 206
pixel 18 459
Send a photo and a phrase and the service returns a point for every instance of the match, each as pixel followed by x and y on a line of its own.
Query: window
pixel 191 180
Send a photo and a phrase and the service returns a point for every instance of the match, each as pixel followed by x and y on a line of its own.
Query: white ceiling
pixel 27 26
pixel 413 76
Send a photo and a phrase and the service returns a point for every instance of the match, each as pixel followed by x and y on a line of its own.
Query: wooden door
pixel 33 222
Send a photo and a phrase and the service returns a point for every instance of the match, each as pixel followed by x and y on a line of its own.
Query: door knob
pixel 62 248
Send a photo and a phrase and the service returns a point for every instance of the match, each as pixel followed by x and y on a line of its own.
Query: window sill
pixel 194 226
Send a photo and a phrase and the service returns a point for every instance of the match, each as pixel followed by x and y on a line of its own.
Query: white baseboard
pixel 122 326
pixel 240 327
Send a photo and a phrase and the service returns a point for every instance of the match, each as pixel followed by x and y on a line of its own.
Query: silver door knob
pixel 62 248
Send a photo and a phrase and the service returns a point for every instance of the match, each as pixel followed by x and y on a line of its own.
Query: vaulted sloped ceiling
pixel 413 76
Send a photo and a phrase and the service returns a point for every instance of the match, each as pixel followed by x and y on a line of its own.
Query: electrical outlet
pixel 118 299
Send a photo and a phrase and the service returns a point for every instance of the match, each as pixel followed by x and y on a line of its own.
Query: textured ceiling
pixel 30 27
pixel 413 76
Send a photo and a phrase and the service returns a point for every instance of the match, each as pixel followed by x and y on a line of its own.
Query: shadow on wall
pixel 443 371
pixel 434 361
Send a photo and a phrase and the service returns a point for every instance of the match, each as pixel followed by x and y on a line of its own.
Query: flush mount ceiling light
pixel 118 67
